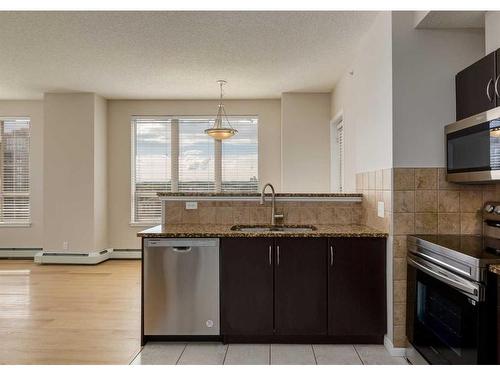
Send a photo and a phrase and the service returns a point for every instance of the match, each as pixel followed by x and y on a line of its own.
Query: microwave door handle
pixel 473 291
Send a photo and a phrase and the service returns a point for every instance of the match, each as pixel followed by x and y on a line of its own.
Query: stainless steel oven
pixel 449 307
pixel 444 315
pixel 473 148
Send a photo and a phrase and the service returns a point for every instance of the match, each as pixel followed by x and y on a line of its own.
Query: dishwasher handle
pixel 182 249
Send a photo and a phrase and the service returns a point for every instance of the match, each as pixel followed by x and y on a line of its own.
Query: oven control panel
pixel 491 211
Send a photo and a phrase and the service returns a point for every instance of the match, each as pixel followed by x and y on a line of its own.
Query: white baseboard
pixel 19 253
pixel 395 352
pixel 126 254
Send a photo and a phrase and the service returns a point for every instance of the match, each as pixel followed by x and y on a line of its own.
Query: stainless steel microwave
pixel 473 148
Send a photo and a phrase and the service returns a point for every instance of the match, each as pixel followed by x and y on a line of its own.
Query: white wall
pixel 121 234
pixel 100 191
pixel 424 64
pixel 71 190
pixel 365 98
pixel 492 31
pixel 32 236
pixel 305 142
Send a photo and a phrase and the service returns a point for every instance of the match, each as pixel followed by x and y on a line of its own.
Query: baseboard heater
pixel 64 257
pixel 18 253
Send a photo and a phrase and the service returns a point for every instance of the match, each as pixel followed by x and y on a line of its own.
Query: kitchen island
pixel 216 269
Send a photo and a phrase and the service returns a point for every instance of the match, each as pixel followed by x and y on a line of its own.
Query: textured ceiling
pixel 167 55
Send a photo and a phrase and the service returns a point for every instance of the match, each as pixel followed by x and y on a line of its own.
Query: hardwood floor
pixel 70 314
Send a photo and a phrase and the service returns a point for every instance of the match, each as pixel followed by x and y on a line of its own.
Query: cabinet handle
pixel 488 89
pixel 278 255
pixel 496 87
pixel 270 255
pixel 331 256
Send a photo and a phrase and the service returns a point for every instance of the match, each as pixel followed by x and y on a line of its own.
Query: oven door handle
pixel 473 291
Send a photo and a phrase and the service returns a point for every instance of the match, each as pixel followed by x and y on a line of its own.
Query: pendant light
pixel 217 131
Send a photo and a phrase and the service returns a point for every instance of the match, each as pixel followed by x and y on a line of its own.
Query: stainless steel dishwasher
pixel 181 287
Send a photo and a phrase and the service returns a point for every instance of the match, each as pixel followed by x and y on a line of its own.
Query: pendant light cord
pixel 221 113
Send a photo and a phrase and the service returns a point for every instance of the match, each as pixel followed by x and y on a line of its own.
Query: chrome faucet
pixel 274 215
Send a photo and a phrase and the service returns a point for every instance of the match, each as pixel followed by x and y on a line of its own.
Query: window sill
pixel 15 225
pixel 144 224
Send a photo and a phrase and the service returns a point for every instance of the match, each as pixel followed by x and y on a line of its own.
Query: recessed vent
pixel 67 254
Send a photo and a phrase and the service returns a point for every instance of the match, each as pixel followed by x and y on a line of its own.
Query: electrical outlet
pixel 380 209
pixel 191 205
pixel 65 245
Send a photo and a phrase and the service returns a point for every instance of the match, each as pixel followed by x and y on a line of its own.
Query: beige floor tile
pixel 292 354
pixel 336 355
pixel 377 355
pixel 203 353
pixel 159 353
pixel 248 354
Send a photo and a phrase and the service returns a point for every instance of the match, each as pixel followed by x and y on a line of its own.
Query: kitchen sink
pixel 275 228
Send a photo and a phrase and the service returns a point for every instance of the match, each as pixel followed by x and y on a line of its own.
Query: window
pixel 14 172
pixel 174 154
pixel 340 148
pixel 337 158
pixel 196 156
pixel 240 158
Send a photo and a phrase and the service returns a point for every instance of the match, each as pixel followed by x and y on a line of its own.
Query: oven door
pixel 443 314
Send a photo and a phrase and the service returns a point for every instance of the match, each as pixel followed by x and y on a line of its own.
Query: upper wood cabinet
pixel 477 87
pixel 300 286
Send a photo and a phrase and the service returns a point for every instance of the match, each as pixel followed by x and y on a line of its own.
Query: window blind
pixel 340 143
pixel 240 162
pixel 14 173
pixel 152 167
pixel 196 156
pixel 174 154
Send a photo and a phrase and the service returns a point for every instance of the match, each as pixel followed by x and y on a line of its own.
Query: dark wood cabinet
pixel 300 286
pixel 475 87
pixel 303 290
pixel 246 279
pixel 356 289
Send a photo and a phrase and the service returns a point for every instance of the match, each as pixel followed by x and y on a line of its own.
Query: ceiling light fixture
pixel 218 131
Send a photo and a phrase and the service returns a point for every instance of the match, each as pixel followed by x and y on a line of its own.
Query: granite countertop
pixel 243 194
pixel 495 268
pixel 220 230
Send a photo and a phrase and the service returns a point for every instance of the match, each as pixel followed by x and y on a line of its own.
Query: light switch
pixel 380 209
pixel 191 205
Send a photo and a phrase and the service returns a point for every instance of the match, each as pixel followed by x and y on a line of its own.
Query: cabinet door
pixel 246 286
pixel 475 91
pixel 300 286
pixel 356 287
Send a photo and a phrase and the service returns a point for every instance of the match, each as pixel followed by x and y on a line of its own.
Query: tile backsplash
pixel 238 212
pixel 376 186
pixel 425 203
